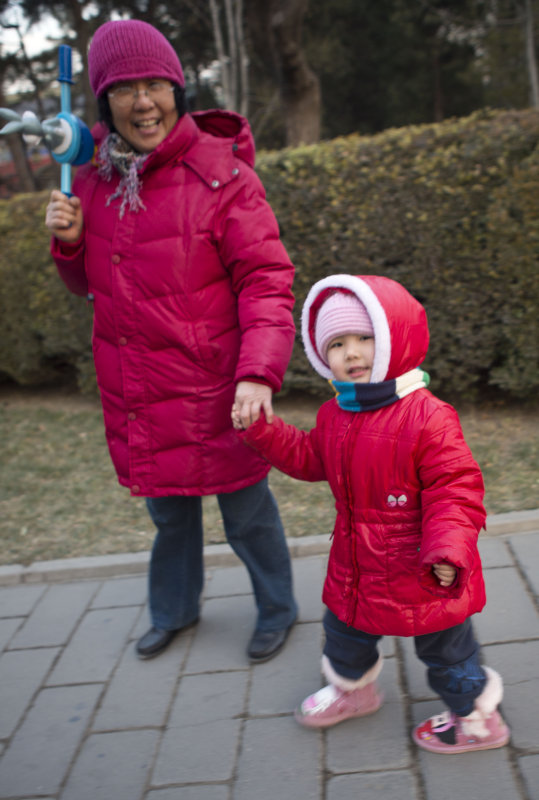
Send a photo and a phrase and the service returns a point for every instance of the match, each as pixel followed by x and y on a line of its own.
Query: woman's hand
pixel 446 573
pixel 251 398
pixel 64 217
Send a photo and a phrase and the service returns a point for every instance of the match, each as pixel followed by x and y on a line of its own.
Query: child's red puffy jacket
pixel 408 492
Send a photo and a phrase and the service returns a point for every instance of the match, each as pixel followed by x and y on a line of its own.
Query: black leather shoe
pixel 266 644
pixel 156 640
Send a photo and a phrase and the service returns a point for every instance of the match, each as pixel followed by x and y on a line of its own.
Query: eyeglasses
pixel 125 94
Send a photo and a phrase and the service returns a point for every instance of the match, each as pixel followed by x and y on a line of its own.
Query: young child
pixel 404 558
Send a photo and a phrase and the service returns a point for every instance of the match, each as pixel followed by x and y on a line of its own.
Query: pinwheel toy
pixel 66 135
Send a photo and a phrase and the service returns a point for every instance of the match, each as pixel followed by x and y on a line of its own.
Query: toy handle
pixel 64 64
pixel 64 76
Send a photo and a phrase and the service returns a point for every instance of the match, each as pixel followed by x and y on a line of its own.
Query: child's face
pixel 350 357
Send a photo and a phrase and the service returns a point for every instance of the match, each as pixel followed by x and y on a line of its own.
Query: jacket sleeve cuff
pixel 66 249
pixel 430 582
pixel 253 379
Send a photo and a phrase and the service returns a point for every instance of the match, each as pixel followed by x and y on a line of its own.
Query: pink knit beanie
pixel 130 50
pixel 341 313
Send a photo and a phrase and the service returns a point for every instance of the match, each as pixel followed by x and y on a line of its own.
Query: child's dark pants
pixel 451 657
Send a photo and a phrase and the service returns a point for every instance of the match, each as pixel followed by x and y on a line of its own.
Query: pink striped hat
pixel 340 314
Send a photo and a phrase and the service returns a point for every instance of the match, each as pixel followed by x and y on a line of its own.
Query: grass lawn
pixel 60 497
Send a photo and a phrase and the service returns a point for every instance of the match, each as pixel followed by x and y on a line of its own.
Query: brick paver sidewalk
pixel 82 719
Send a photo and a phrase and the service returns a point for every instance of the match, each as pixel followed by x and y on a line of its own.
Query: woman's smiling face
pixel 143 112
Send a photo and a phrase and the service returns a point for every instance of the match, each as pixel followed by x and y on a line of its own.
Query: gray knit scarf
pixel 116 153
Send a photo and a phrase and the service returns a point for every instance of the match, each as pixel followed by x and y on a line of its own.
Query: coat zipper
pixel 348 497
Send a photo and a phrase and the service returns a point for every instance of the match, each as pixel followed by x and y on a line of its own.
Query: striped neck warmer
pixel 116 153
pixel 370 396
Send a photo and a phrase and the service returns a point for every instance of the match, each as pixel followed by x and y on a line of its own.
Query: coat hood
pixel 400 323
pixel 228 125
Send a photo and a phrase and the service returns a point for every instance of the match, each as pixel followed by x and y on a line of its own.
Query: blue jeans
pixel 451 657
pixel 254 530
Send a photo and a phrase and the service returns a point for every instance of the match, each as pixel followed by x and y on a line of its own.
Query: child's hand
pixel 236 419
pixel 445 573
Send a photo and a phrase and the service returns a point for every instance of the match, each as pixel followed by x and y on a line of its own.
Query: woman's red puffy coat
pixel 191 295
pixel 408 495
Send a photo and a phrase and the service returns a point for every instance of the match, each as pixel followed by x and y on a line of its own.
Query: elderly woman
pixel 169 235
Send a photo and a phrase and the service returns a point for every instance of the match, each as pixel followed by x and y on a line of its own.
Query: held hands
pixel 251 398
pixel 64 217
pixel 445 573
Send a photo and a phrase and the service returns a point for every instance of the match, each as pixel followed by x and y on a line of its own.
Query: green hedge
pixel 45 331
pixel 450 210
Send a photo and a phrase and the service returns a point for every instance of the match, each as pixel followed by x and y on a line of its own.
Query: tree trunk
pixel 26 180
pixel 25 176
pixel 232 56
pixel 243 60
pixel 531 58
pixel 82 30
pixel 438 105
pixel 300 88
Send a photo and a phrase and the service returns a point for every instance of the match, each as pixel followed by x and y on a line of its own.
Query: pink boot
pixel 341 699
pixel 483 729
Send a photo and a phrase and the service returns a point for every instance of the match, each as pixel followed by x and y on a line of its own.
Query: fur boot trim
pixel 349 684
pixel 491 696
pixel 475 724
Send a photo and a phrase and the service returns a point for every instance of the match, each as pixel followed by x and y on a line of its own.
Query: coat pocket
pixel 403 569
